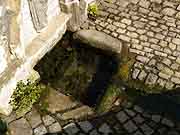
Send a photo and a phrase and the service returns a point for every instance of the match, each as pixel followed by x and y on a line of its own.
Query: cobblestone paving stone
pixel 123 120
pixel 151 29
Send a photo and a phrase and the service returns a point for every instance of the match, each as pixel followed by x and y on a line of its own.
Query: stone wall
pixel 24 39
pixel 151 28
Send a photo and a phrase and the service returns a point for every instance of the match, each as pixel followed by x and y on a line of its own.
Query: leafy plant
pixel 25 96
pixel 93 10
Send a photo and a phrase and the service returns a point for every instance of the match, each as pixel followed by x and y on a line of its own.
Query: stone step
pixel 58 102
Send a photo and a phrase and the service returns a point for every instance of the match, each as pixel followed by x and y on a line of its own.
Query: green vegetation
pixel 125 67
pixel 93 10
pixel 25 95
pixel 112 93
pixel 3 127
pixel 136 87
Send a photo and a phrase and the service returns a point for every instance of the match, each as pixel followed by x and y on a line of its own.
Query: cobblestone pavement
pixel 151 29
pixel 127 119
pixel 74 118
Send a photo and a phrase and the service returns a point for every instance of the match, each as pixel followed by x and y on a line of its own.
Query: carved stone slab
pixel 38 9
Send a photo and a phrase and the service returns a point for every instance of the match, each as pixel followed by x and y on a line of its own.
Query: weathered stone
pixel 130 112
pixel 124 38
pixel 146 129
pixel 142 75
pixel 143 10
pixel 58 102
pixel 40 130
pixel 105 129
pixel 176 41
pixel 94 132
pixel 111 27
pixel 135 73
pixel 138 109
pixel 121 116
pixel 169 85
pixel 167 61
pixel 138 24
pixel 175 66
pixel 126 21
pixel 78 113
pixel 10 118
pixel 85 126
pixel 48 120
pixel 156 118
pixel 142 59
pixel 130 126
pixel 178 60
pixel 151 79
pixel 114 34
pixel 54 128
pixel 138 119
pixel 34 118
pixel 143 38
pixel 71 129
pixel 167 122
pixel 121 31
pixel 175 80
pixel 132 34
pixel 20 127
pixel 99 40
pixel 161 82
pixel 144 3
pixel 163 75
pixel 138 133
pixel 169 11
pixel 157 1
pixel 152 62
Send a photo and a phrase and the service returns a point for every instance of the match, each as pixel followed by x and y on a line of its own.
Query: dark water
pixel 106 67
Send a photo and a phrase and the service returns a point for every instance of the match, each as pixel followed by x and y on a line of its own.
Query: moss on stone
pixel 125 76
pixel 112 93
pixel 125 67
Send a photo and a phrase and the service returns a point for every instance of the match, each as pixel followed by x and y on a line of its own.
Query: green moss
pixel 42 105
pixel 93 9
pixel 125 76
pixel 112 93
pixel 125 68
pixel 24 96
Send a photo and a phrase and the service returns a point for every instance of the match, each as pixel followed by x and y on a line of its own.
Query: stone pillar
pixel 84 9
pixel 71 7
pixel 78 9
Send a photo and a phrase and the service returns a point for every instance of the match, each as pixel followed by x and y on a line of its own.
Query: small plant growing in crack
pixel 93 11
pixel 24 96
